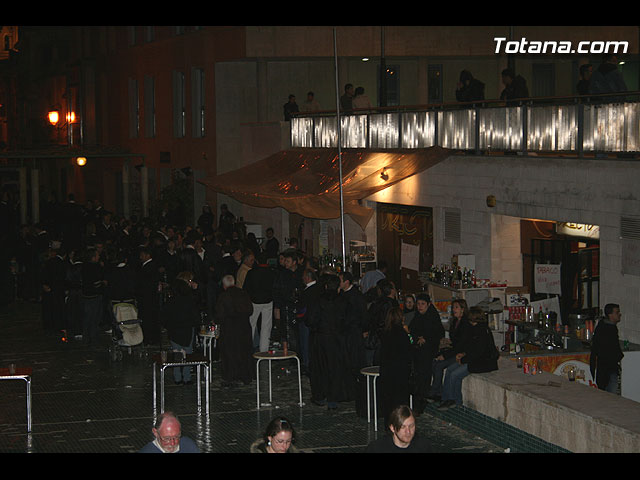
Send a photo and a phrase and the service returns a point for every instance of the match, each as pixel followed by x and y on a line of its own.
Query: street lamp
pixel 54 117
pixel 81 161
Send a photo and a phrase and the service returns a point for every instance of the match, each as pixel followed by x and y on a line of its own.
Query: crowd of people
pixel 260 296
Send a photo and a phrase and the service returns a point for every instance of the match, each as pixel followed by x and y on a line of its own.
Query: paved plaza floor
pixel 85 402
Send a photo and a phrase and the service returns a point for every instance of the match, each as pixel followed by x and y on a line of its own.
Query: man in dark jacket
pixel 356 317
pixel 515 86
pixel 427 330
pixel 608 79
pixel 285 297
pixel 605 350
pixel 147 297
pixel 53 291
pixel 93 287
pixel 469 89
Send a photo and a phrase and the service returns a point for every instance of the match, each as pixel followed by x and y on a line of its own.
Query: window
pixel 452 226
pixel 197 96
pixel 391 85
pixel 150 34
pixel 178 104
pixel 131 31
pixel 544 78
pixel 134 109
pixel 149 106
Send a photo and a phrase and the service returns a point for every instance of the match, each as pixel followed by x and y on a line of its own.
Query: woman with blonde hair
pixel 458 328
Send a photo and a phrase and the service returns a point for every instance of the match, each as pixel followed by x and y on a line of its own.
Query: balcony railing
pixel 572 125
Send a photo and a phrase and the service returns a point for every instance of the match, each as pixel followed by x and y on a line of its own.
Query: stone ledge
pixel 573 416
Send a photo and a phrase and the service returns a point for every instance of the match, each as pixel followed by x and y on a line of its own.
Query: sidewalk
pixel 84 403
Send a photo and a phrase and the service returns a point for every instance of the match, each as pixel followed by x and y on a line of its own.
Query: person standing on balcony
pixel 469 89
pixel 290 107
pixel 608 79
pixel 361 100
pixel 584 84
pixel 515 86
pixel 311 104
pixel 346 100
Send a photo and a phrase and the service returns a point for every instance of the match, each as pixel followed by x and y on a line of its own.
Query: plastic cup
pixel 12 369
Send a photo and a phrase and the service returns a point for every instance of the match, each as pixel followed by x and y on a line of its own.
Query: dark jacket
pixel 259 284
pixel 607 79
pixel 92 279
pixel 471 92
pixel 481 354
pixel 429 326
pixel 180 315
pixel 516 89
pixel 605 349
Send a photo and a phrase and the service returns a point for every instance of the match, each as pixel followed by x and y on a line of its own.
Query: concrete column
pixel 23 194
pixel 262 85
pixel 35 195
pixel 144 190
pixel 126 188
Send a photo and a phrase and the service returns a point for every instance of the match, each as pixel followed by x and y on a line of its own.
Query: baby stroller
pixel 126 331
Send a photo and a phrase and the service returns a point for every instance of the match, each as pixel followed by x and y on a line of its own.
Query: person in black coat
pixel 478 355
pixel 73 282
pixel 356 318
pixel 606 353
pixel 233 310
pixel 93 286
pixel 427 330
pixel 308 300
pixel 469 89
pixel 53 290
pixel 376 316
pixel 458 330
pixel 329 374
pixel 147 297
pixel 515 86
pixel 395 362
pixel 180 316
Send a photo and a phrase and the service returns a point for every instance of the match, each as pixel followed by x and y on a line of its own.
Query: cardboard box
pixel 465 260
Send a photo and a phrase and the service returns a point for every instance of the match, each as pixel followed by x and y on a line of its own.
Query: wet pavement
pixel 84 401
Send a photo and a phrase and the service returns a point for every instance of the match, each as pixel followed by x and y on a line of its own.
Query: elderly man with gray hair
pixel 233 309
pixel 167 431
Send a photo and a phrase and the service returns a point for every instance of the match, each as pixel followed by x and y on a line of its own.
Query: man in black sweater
pixel 259 285
pixel 605 350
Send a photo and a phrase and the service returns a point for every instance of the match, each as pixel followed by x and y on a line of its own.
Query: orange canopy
pixel 306 181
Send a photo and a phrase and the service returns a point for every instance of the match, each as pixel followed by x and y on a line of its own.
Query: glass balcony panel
pixel 457 129
pixel 418 129
pixel 384 130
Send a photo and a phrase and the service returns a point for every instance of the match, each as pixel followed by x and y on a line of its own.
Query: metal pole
pixel 335 55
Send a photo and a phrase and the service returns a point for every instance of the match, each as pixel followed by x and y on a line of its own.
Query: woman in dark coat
pixel 329 368
pixel 458 329
pixel 478 354
pixel 181 316
pixel 233 309
pixel 395 362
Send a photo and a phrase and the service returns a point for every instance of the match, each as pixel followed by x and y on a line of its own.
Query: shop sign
pixel 578 229
pixel 547 278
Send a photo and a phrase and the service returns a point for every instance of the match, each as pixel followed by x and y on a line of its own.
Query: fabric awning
pixel 306 181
